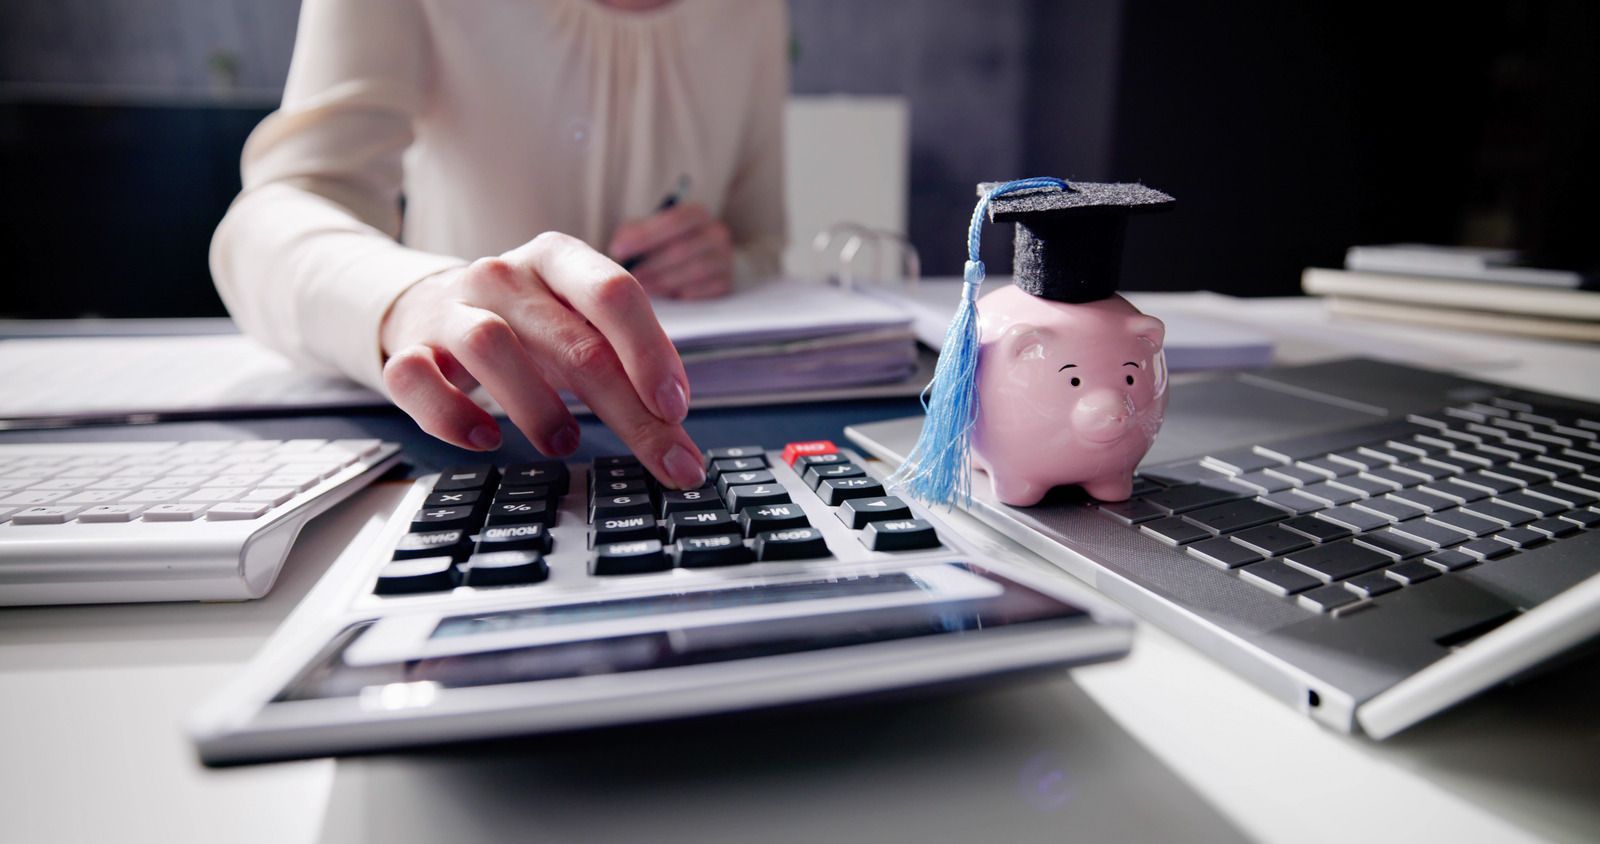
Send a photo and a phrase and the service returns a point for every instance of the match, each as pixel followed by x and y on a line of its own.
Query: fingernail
pixel 672 401
pixel 484 438
pixel 684 468
pixel 565 441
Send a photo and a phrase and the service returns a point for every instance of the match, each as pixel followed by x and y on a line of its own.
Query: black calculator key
pixel 520 513
pixel 839 490
pixel 767 517
pixel 465 477
pixel 723 549
pixel 522 493
pixel 409 577
pixel 532 537
pixel 790 544
pixel 817 474
pixel 810 460
pixel 860 512
pixel 452 498
pixel 644 555
pixel 727 480
pixel 551 473
pixel 504 568
pixel 735 453
pixel 439 543
pixel 611 506
pixel 687 500
pixel 740 497
pixel 736 464
pixel 700 523
pixel 900 535
pixel 443 518
pixel 620 473
pixel 610 529
pixel 611 460
pixel 632 486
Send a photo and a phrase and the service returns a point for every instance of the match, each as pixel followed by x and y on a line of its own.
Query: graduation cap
pixel 1068 249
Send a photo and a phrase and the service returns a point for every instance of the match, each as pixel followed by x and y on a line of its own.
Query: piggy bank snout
pixel 1103 415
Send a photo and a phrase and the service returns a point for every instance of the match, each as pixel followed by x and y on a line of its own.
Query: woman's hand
pixel 548 315
pixel 683 252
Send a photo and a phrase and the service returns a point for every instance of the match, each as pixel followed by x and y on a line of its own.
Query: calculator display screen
pixel 331 676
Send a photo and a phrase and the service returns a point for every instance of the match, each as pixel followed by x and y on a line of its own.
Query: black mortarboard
pixel 1069 242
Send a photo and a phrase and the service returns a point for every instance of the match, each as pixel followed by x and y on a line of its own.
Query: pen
pixel 672 198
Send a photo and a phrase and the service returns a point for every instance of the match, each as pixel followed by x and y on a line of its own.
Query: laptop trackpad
pixel 1222 413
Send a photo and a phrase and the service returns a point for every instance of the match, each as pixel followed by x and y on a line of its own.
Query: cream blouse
pixel 497 120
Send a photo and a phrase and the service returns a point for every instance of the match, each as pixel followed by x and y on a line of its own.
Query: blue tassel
pixel 939 468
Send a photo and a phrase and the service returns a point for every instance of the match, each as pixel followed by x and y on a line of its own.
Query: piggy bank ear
pixel 1027 342
pixel 1148 328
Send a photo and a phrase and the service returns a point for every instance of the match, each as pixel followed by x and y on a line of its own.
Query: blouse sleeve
pixel 306 259
pixel 755 205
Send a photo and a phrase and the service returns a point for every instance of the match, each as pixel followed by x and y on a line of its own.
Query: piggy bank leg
pixel 1110 489
pixel 1016 491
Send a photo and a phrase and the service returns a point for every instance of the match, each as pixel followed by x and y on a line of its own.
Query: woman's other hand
pixel 682 252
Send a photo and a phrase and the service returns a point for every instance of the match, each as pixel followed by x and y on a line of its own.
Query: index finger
pixel 657 230
pixel 604 294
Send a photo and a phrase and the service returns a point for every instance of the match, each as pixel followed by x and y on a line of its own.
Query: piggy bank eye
pixel 1130 380
pixel 1076 381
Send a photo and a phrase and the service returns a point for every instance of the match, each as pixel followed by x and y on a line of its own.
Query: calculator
pixel 547 597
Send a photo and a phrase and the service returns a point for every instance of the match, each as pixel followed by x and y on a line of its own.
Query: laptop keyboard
pixel 1333 527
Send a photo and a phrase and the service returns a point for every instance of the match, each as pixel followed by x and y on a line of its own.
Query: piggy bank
pixel 1068 394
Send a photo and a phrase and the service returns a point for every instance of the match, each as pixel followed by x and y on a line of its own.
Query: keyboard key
pixel 1174 530
pixel 1327 468
pixel 1260 482
pixel 618 473
pixel 1425 471
pixel 686 500
pixel 701 523
pixel 794 451
pixel 809 460
pixel 1486 482
pixel 628 558
pixel 1411 573
pixel 1183 474
pixel 1223 553
pixel 1419 497
pixel 233 511
pixel 266 495
pixel 1394 511
pixel 1181 499
pixel 1239 461
pixel 433 543
pixel 1430 533
pixel 1297 475
pixel 504 568
pixel 530 537
pixel 1552 527
pixel 1337 560
pixel 552 473
pixel 1459 493
pixel 1130 512
pixel 1327 598
pixel 1450 560
pixel 1293 501
pixel 614 506
pixel 635 486
pixel 529 512
pixel 1496 512
pixel 770 517
pixel 1278 578
pixel 440 518
pixel 1319 530
pixel 30 499
pixel 735 453
pixel 736 464
pixel 836 491
pixel 514 493
pixel 815 475
pixel 1362 487
pixel 457 477
pixel 899 535
pixel 47 514
pixel 296 482
pixel 411 577
pixel 1361 460
pixel 608 461
pixel 755 495
pixel 1460 520
pixel 790 544
pixel 860 512
pixel 116 513
pixel 613 529
pixel 1231 516
pixel 1583 518
pixel 728 480
pixel 1395 545
pixel 104 496
pixel 452 498
pixel 1356 519
pixel 1564 496
pixel 1522 537
pixel 1372 584
pixel 719 550
pixel 175 512
pixel 1485 549
pixel 1272 540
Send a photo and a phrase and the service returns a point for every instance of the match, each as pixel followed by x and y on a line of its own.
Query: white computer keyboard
pixel 116 522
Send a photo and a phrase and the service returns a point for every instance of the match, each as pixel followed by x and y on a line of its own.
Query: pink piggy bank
pixel 1068 394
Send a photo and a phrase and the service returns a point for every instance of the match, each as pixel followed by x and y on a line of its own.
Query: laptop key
pixel 1320 530
pixel 1532 503
pixel 1565 496
pixel 1173 530
pixel 1394 511
pixel 1420 497
pixel 1272 540
pixel 1223 553
pixel 1278 578
pixel 1356 520
pixel 1371 585
pixel 1293 501
pixel 1496 512
pixel 1297 475
pixel 1130 512
pixel 1337 560
pixel 1450 560
pixel 1425 471
pixel 1522 477
pixel 1393 477
pixel 1181 499
pixel 1231 516
pixel 1260 482
pixel 1327 598
pixel 1485 481
pixel 1394 544
pixel 1326 467
pixel 1360 459
pixel 1459 493
pixel 1583 518
pixel 1486 549
pixel 1463 521
pixel 1555 528
pixel 1364 486
pixel 1429 533
pixel 1522 538
pixel 1412 572
pixel 1239 461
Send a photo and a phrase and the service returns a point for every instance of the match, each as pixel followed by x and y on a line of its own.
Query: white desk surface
pixel 1164 745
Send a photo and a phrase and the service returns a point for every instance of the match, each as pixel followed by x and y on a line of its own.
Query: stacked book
pixel 1475 289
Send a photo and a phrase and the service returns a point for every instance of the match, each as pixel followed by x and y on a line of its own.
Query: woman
pixel 522 134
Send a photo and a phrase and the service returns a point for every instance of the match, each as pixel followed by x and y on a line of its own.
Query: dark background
pixel 1288 132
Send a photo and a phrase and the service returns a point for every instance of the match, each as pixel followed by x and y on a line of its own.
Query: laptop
pixel 1368 542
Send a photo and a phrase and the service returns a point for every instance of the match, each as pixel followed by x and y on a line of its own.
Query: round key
pixel 529 537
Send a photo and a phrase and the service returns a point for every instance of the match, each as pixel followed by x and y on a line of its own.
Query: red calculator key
pixel 795 451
